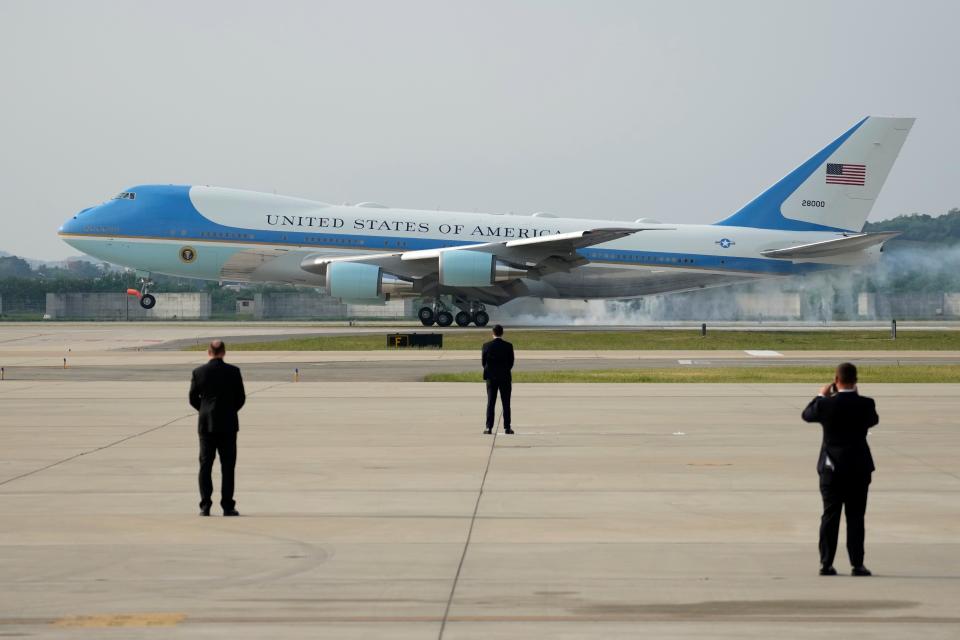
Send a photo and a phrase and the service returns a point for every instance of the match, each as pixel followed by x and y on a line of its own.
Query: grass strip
pixel 653 339
pixel 754 374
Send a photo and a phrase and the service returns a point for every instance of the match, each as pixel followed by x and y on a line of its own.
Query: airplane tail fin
pixel 836 188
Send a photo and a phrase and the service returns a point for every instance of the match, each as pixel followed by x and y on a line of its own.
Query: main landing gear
pixel 441 315
pixel 437 314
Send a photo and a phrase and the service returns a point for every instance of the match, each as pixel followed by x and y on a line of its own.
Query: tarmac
pixel 380 510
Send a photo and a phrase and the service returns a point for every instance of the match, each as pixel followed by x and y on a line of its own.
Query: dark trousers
pixel 851 497
pixel 504 387
pixel 210 445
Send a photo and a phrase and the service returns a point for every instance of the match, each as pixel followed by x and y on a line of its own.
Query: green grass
pixel 812 374
pixel 853 340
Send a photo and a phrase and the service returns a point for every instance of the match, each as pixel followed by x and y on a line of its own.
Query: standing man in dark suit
pixel 845 464
pixel 216 391
pixel 497 359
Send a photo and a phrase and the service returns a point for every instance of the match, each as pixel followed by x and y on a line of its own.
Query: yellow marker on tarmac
pixel 122 620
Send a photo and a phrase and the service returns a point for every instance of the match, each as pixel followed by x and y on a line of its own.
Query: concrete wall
pixel 402 308
pixel 276 306
pixel 270 306
pixel 951 304
pixel 768 305
pixel 120 306
pixel 867 305
pixel 912 306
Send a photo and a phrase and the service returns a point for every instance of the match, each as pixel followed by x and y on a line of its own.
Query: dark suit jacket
pixel 845 418
pixel 497 359
pixel 216 391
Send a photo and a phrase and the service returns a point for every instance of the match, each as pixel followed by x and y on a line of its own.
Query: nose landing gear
pixel 147 301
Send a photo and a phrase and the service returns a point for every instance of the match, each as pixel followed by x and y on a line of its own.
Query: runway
pixel 154 352
pixel 380 510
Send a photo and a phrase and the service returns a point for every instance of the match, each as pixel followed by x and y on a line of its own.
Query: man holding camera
pixel 845 464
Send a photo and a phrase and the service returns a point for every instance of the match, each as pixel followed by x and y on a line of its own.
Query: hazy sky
pixel 680 111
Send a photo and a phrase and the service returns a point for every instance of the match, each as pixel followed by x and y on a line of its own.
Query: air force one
pixel 458 262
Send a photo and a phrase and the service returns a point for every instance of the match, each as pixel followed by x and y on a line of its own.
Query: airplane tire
pixel 427 316
pixel 444 319
pixel 462 319
pixel 481 318
pixel 148 301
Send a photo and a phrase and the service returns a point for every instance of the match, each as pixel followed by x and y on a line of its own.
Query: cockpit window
pixel 125 195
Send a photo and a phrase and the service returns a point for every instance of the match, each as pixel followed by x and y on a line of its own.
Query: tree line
pixel 922 227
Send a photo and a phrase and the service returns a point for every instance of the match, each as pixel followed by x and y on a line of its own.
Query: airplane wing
pixel 828 248
pixel 539 256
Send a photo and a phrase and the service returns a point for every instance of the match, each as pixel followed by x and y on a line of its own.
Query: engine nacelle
pixel 468 268
pixel 354 281
pixel 363 282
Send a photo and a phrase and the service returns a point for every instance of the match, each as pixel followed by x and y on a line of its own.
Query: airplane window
pixel 125 195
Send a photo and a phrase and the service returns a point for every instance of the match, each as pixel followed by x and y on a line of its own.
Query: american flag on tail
pixel 854 174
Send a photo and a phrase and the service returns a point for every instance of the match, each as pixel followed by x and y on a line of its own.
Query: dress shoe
pixel 861 571
pixel 231 512
pixel 205 512
pixel 488 430
pixel 508 431
pixel 828 571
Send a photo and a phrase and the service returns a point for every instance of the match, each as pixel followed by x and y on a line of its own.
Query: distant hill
pixel 920 227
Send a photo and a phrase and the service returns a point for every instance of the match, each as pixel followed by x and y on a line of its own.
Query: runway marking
pixel 684 361
pixel 116 442
pixel 473 520
pixel 763 353
pixel 122 620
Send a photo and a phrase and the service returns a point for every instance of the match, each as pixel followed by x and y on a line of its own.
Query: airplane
pixel 458 263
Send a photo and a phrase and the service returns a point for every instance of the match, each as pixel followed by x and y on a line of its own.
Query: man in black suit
pixel 845 464
pixel 497 359
pixel 216 391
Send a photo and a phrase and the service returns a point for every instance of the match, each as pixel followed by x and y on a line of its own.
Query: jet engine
pixel 465 268
pixel 360 282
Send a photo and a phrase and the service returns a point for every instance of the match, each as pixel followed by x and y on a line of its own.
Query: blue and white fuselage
pixel 810 220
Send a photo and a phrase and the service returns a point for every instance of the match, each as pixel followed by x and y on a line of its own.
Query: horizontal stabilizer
pixel 835 247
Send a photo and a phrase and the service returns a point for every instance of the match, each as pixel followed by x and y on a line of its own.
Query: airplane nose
pixel 73 224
